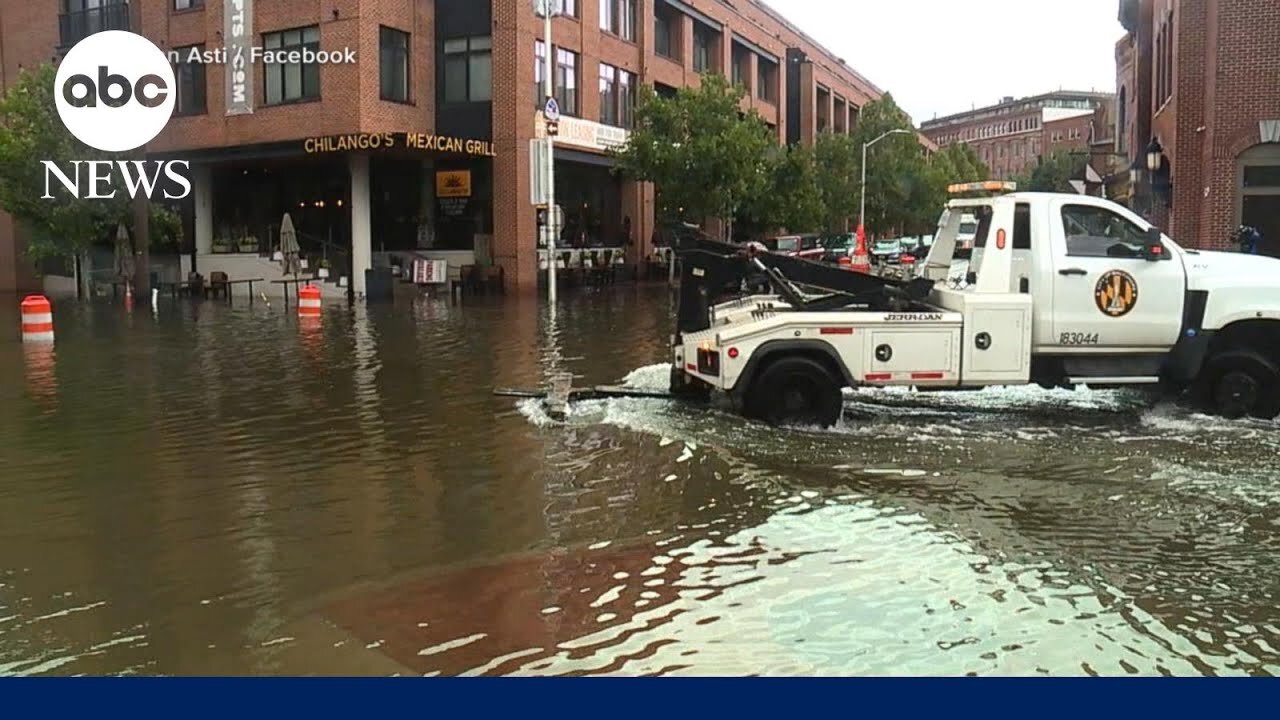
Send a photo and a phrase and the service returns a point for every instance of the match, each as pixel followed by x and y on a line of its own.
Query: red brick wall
pixel 350 93
pixel 350 99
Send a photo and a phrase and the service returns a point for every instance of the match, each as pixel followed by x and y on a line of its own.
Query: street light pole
pixel 553 226
pixel 862 208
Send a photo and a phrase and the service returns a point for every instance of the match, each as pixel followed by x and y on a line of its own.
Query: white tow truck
pixel 1061 290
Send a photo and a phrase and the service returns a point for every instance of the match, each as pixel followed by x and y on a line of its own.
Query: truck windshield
pixel 787 244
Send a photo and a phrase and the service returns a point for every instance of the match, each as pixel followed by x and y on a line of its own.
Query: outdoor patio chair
pixel 217 284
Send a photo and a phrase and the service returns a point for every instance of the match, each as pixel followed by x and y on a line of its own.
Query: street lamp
pixel 547 9
pixel 1154 155
pixel 862 208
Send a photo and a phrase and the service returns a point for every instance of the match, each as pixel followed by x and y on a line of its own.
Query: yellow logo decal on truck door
pixel 1116 293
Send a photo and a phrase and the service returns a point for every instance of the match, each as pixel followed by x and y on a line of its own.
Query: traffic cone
pixel 861 258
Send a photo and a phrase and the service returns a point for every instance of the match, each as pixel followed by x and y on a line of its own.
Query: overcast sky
pixel 939 57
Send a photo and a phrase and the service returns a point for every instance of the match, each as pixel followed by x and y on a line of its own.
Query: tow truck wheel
pixel 1243 383
pixel 795 390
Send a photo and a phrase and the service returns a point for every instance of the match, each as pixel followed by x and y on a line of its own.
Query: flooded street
pixel 216 490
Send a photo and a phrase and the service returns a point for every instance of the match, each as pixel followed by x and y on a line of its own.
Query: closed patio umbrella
pixel 291 261
pixel 124 255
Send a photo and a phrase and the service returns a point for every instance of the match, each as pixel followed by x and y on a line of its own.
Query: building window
pixel 619 17
pixel 703 41
pixel 569 8
pixel 766 85
pixel 617 96
pixel 189 73
pixel 394 70
pixel 468 69
pixel 187 4
pixel 292 82
pixel 666 34
pixel 82 18
pixel 566 81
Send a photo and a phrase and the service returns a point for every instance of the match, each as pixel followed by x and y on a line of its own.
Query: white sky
pixel 939 57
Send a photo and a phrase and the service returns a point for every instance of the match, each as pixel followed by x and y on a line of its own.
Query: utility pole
pixel 551 116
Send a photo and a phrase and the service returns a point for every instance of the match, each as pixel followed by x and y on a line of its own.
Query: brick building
pixel 1200 84
pixel 424 143
pixel 1012 135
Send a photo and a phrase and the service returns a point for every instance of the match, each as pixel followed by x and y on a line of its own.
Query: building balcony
pixel 79 24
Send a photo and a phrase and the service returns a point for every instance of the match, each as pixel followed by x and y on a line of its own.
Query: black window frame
pixel 618 100
pixel 766 80
pixel 704 55
pixel 567 97
pixel 307 71
pixel 394 53
pixel 190 80
pixel 666 44
pixel 1136 247
pixel 479 48
pixel 619 17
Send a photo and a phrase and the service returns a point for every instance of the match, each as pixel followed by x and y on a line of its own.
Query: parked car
pixel 835 247
pixel 886 250
pixel 802 246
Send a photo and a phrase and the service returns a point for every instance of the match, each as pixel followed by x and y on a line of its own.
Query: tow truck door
pixel 1106 293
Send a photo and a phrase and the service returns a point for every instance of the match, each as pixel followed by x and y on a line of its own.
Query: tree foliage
pixel 791 197
pixel 706 157
pixel 32 131
pixel 837 158
pixel 709 159
pixel 895 165
pixel 1052 173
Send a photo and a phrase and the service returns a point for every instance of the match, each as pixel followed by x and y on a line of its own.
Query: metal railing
pixel 79 24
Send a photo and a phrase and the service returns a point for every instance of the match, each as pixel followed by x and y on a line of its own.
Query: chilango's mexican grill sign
pixel 421 142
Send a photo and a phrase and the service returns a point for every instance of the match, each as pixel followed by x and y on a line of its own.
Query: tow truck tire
pixel 795 390
pixel 1242 382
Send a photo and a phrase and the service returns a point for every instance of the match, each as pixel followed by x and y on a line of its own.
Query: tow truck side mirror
pixel 1152 247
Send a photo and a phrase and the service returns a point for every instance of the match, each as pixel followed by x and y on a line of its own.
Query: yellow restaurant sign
pixel 412 141
pixel 453 183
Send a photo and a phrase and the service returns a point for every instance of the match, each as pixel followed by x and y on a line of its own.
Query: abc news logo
pixel 114 92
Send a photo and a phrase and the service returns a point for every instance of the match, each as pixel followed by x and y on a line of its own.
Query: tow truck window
pixel 984 226
pixel 1099 232
pixel 1022 226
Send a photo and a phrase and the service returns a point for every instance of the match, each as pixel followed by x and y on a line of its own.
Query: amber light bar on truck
pixel 986 186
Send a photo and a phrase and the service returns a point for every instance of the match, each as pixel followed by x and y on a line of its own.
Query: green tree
pixel 837 158
pixel 792 197
pixel 1052 173
pixel 61 226
pixel 705 156
pixel 964 164
pixel 956 163
pixel 895 165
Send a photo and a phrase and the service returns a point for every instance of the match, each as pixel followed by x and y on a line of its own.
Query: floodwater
pixel 217 490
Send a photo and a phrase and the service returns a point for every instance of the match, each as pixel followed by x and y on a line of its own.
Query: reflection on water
pixel 217 490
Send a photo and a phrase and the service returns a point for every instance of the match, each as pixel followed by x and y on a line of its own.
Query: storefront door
pixel 1259 193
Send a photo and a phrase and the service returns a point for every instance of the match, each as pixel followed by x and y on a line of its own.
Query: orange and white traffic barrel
pixel 309 301
pixel 37 319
